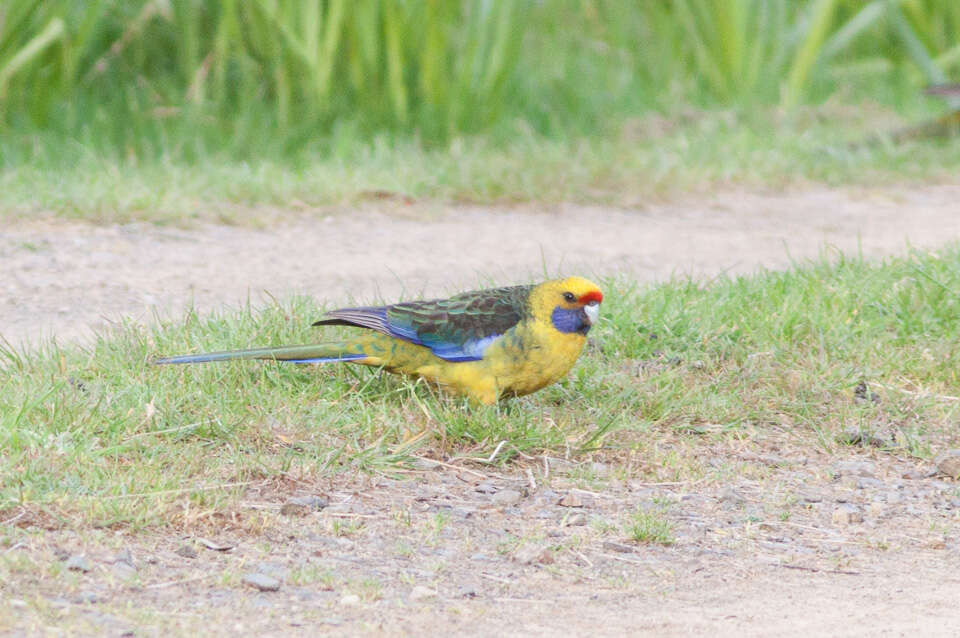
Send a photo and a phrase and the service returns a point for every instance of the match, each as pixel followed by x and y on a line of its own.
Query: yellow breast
pixel 544 357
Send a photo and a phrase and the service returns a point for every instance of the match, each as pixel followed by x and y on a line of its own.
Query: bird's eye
pixel 568 297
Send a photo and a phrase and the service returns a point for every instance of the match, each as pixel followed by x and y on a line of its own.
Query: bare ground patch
pixel 793 544
pixel 64 279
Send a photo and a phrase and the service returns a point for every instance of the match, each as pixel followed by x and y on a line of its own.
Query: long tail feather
pixel 317 353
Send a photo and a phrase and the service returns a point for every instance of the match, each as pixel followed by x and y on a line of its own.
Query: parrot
pixel 488 344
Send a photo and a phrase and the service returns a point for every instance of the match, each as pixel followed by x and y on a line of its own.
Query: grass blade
pixel 821 18
pixel 51 34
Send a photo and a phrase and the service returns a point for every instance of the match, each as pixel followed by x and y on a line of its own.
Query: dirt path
pixel 790 543
pixel 480 554
pixel 64 278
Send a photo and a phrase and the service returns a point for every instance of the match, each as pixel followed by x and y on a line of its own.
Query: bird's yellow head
pixel 570 305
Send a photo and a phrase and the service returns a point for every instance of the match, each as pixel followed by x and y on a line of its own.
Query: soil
pixel 66 279
pixel 791 541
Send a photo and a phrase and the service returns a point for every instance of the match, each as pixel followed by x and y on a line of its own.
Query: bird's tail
pixel 316 353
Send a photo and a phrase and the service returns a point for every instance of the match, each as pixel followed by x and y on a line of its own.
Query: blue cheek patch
pixel 567 320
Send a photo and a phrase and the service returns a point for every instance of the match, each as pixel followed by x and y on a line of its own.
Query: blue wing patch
pixel 472 350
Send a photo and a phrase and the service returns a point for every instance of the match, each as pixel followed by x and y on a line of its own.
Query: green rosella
pixel 486 344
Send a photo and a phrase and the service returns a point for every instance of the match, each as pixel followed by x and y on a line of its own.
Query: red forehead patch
pixel 593 295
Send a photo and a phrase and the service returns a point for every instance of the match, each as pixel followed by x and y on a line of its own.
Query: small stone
pixel 865 483
pixel 855 468
pixel 846 514
pixel 350 600
pixel 574 520
pixel 485 487
pixel 272 570
pixel 303 505
pixel 863 394
pixel 261 582
pixel 877 508
pixel 570 500
pixel 216 546
pixel 811 496
pixel 863 439
pixel 614 546
pixel 533 553
pixel 462 512
pixel 507 497
pixel 427 493
pixel 949 463
pixel 916 475
pixel 187 551
pixel 421 592
pixel 470 590
pixel 78 563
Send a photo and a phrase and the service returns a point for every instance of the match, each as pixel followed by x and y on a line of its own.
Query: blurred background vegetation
pixel 188 80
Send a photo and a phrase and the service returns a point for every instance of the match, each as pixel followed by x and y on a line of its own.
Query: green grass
pixel 189 80
pixel 178 110
pixel 634 162
pixel 94 435
pixel 649 526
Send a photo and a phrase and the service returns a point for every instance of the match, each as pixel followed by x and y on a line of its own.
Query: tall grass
pixel 185 79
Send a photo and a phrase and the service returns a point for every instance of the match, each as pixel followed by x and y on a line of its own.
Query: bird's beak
pixel 592 310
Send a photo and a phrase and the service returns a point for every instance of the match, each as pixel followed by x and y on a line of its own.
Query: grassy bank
pixel 171 110
pixel 181 81
pixel 642 160
pixel 96 436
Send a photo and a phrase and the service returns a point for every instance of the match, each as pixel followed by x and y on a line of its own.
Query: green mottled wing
pixel 460 328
